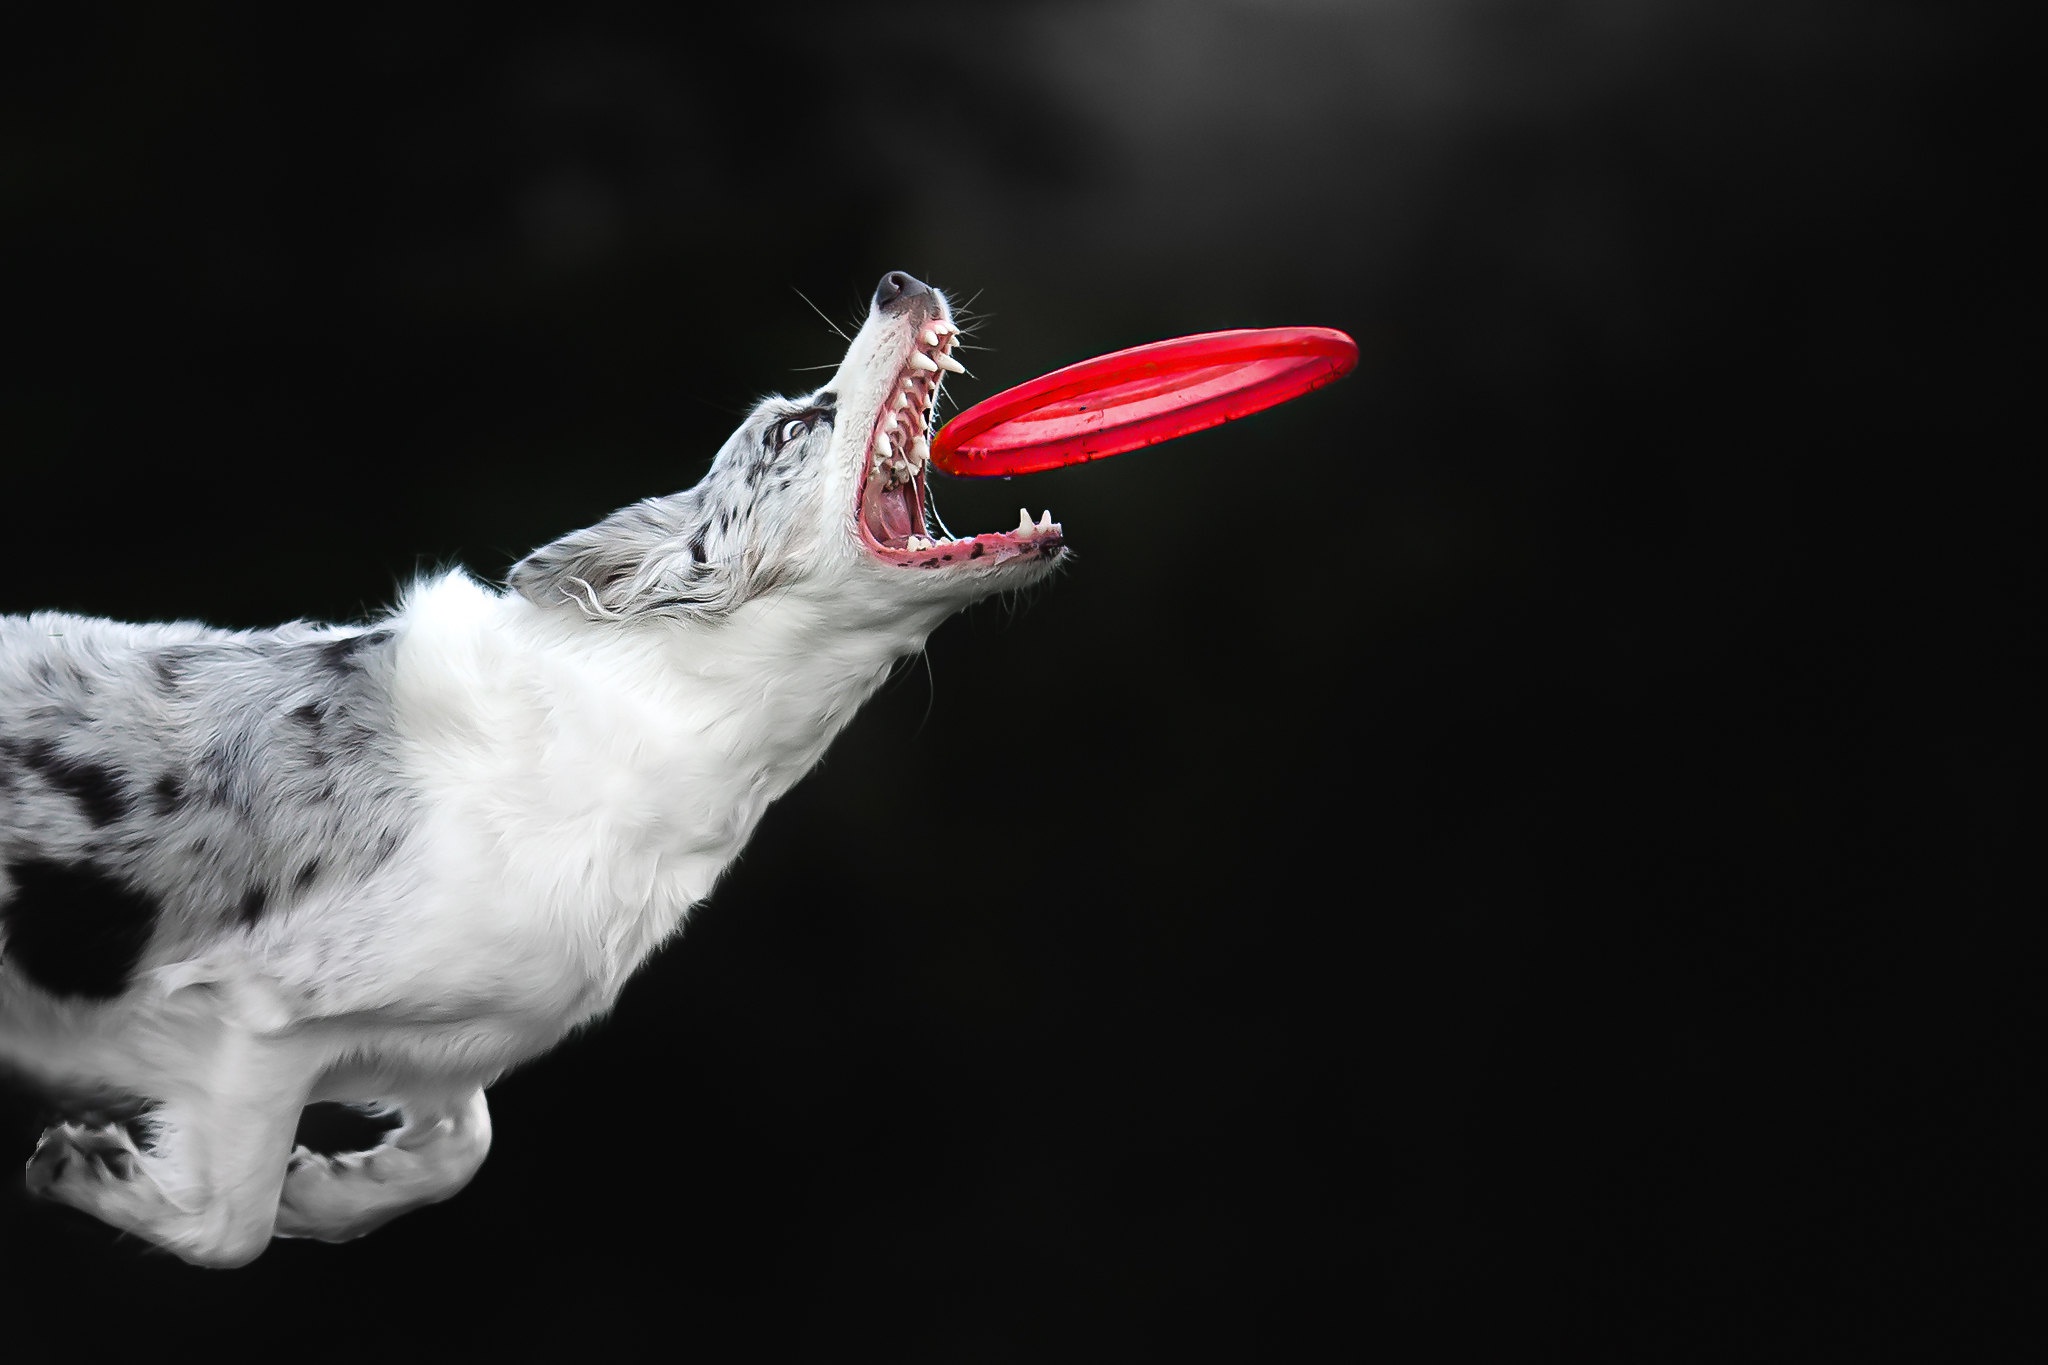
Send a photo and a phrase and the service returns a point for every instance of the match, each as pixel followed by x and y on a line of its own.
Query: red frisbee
pixel 1140 397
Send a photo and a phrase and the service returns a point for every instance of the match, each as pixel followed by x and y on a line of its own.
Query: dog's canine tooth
pixel 920 361
pixel 1024 526
pixel 946 362
pixel 931 337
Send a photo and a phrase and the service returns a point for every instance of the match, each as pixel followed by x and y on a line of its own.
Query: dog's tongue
pixel 897 519
pixel 891 513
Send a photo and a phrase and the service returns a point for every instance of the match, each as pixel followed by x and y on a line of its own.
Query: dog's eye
pixel 794 428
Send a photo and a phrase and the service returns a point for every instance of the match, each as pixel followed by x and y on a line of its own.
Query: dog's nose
pixel 897 289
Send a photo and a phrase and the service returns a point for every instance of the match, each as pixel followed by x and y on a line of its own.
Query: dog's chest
pixel 581 793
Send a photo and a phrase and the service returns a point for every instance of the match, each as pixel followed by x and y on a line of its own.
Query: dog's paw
pixel 338 1198
pixel 97 1169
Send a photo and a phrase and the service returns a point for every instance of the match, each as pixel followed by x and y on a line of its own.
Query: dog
pixel 244 872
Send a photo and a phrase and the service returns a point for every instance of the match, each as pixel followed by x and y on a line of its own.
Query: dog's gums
pixel 894 505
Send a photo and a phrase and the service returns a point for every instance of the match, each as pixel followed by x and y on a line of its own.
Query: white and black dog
pixel 244 872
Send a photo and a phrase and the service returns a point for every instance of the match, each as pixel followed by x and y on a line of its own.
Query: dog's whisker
pixel 821 313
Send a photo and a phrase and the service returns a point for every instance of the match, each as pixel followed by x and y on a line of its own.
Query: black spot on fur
pixel 305 877
pixel 170 671
pixel 341 655
pixel 697 547
pixel 253 905
pixel 169 792
pixel 356 740
pixel 219 768
pixel 74 931
pixel 96 788
pixel 311 715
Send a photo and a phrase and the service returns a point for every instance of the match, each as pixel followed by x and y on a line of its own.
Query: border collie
pixel 242 872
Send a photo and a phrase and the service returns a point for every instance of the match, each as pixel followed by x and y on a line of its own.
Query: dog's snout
pixel 897 291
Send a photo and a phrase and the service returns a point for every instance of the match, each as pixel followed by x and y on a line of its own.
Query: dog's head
pixel 830 486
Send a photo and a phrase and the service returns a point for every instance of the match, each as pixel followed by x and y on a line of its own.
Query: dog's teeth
pixel 910 383
pixel 920 361
pixel 901 401
pixel 931 337
pixel 1045 520
pixel 919 451
pixel 946 362
pixel 944 327
pixel 1024 526
pixel 919 543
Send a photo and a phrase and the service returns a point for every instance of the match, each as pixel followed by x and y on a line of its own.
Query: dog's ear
pixel 647 559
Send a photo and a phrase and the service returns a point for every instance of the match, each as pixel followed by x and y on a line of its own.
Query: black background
pixel 1514 849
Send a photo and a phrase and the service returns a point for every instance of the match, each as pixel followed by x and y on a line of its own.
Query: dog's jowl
pixel 242 873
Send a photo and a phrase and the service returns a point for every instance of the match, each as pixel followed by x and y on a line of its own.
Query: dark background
pixel 1514 849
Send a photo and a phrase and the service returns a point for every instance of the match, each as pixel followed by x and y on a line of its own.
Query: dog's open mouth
pixel 895 500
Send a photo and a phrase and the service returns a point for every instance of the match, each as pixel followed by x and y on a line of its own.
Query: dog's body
pixel 245 872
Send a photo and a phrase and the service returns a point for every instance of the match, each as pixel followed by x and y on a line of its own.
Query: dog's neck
pixel 639 754
pixel 784 673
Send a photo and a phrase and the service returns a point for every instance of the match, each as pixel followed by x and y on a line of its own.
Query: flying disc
pixel 1140 397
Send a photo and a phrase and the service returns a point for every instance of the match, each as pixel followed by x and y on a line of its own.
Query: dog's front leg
pixel 206 1185
pixel 431 1154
